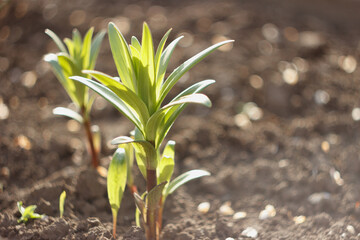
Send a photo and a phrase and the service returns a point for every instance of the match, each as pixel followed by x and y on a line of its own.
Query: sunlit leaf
pixel 163 64
pixel 122 56
pixel 128 96
pixel 116 182
pixel 153 197
pixel 95 47
pixel 145 151
pixel 161 118
pixel 166 164
pixel 186 66
pixel 27 213
pixel 86 48
pixel 68 113
pixel 111 97
pixel 184 178
pixel 56 39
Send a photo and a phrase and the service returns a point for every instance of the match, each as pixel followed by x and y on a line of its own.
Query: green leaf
pixel 158 54
pixel 184 178
pixel 20 207
pixel 135 43
pixel 122 57
pixel 196 88
pixel 27 213
pixel 59 73
pixel 186 66
pixel 70 45
pixel 68 113
pixel 86 49
pixel 77 41
pixel 70 69
pixel 95 48
pixel 116 180
pixel 128 96
pixel 147 53
pixel 166 164
pixel 160 122
pixel 163 64
pixel 57 40
pixel 198 98
pixel 140 208
pixel 111 97
pixel 62 203
pixel 144 150
pixel 154 196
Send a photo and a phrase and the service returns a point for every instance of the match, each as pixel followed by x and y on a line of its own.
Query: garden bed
pixel 298 150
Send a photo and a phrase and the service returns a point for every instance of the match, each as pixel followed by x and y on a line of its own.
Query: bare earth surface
pixel 297 148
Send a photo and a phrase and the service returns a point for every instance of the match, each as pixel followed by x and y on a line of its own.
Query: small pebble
pixel 250 232
pixel 226 209
pixel 239 215
pixel 28 79
pixel 256 81
pixel 203 207
pixel 321 97
pixel 4 111
pixel 350 229
pixel 283 163
pixel 325 146
pixel 299 219
pixel 347 63
pixel 23 142
pixel 335 175
pixel 355 114
pixel 318 197
pixel 242 121
pixel 268 212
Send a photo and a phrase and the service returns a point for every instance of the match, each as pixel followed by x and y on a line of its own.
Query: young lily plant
pixel 27 213
pixel 79 54
pixel 139 96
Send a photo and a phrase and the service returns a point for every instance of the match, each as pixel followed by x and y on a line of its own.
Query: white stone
pixel 268 212
pixel 226 209
pixel 250 232
pixel 204 207
pixel 239 215
pixel 318 197
pixel 350 229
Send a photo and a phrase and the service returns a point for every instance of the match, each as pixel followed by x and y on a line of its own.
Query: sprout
pixel 27 213
pixel 62 203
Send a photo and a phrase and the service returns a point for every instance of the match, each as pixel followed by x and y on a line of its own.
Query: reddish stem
pixel 87 126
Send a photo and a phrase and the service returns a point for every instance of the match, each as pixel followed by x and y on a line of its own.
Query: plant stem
pixel 160 213
pixel 87 126
pixel 114 223
pixel 151 214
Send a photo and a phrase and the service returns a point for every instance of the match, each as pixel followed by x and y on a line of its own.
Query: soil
pixel 297 151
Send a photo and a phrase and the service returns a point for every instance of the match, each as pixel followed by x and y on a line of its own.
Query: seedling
pixel 62 203
pixel 79 54
pixel 139 96
pixel 27 213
